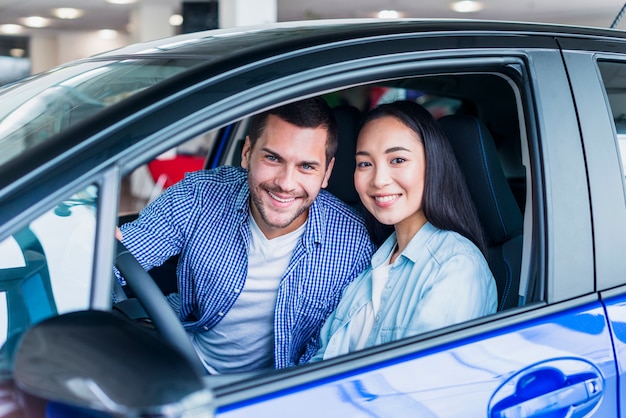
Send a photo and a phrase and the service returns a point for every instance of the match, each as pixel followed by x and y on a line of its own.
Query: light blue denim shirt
pixel 441 278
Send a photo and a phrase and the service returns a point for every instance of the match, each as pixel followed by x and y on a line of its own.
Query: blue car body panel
pixel 488 371
pixel 616 312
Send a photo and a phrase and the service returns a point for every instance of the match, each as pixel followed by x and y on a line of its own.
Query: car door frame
pixel 606 181
pixel 552 119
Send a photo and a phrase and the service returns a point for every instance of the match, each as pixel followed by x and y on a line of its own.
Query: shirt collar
pixel 412 250
pixel 315 231
pixel 243 197
pixel 417 245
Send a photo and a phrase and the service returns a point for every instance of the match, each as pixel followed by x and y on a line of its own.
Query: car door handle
pixel 565 398
pixel 548 390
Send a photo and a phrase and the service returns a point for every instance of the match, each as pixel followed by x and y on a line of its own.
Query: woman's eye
pixel 363 164
pixel 397 160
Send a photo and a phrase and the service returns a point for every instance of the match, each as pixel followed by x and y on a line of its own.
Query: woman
pixel 431 271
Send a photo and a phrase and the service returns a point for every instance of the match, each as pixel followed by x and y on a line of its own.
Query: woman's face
pixel 390 173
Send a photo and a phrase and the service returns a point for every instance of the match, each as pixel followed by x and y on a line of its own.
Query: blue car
pixel 536 116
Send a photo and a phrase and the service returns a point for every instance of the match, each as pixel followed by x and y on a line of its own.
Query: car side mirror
pixel 99 361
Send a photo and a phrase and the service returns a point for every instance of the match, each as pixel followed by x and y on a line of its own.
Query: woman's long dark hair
pixel 447 202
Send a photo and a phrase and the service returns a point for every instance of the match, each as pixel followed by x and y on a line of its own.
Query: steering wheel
pixel 156 306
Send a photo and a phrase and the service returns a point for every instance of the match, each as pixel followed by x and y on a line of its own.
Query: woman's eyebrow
pixel 387 151
pixel 395 149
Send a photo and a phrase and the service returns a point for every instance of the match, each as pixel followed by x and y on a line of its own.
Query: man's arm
pixel 159 231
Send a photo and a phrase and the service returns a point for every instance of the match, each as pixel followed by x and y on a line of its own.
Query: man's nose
pixel 286 179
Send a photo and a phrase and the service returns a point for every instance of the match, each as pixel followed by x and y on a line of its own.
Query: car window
pixel 622 149
pixel 46 267
pixel 499 115
pixel 35 111
pixel 614 78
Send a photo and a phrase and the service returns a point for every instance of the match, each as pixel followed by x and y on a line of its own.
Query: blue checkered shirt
pixel 205 219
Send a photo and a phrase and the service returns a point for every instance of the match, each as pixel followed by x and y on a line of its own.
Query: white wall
pixel 50 50
pixel 149 20
pixel 246 12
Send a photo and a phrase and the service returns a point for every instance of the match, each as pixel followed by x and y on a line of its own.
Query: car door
pixel 553 355
pixel 597 72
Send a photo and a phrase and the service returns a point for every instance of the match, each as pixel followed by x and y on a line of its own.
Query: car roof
pixel 216 51
pixel 222 43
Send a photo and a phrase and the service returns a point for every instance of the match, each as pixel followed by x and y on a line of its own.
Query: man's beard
pixel 257 201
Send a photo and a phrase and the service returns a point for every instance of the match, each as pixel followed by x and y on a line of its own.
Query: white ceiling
pixel 101 15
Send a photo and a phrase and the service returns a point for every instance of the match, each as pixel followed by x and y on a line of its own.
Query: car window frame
pixel 602 163
pixel 314 81
pixel 206 119
pixel 378 68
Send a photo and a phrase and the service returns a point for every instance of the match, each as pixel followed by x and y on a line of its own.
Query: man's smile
pixel 281 199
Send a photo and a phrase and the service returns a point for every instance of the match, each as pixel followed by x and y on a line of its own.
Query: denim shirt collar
pixel 412 251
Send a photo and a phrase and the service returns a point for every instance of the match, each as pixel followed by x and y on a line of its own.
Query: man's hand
pixel 118 233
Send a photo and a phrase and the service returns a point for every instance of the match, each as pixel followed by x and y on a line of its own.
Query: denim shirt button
pixel 220 313
pixel 205 328
pixel 236 291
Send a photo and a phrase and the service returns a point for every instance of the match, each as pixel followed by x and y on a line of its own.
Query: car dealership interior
pixel 167 250
pixel 40 34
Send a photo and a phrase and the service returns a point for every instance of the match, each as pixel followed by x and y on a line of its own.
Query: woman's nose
pixel 381 177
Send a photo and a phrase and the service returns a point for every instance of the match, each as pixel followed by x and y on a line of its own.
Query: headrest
pixel 341 182
pixel 478 158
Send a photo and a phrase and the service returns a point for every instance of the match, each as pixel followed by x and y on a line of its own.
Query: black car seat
pixel 497 208
pixel 341 182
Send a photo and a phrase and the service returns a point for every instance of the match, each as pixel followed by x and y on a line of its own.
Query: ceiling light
pixel 35 21
pixel 107 34
pixel 11 29
pixel 176 20
pixel 388 14
pixel 67 13
pixel 466 6
pixel 17 52
pixel 121 1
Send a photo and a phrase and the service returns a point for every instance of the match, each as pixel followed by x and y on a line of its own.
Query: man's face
pixel 286 170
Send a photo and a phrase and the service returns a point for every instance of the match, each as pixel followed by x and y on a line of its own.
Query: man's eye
pixel 271 157
pixel 307 167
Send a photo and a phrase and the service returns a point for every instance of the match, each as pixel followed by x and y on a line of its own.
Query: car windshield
pixel 36 110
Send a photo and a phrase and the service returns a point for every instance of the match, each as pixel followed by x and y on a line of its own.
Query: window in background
pixel 614 77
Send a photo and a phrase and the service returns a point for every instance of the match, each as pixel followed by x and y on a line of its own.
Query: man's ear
pixel 245 152
pixel 329 171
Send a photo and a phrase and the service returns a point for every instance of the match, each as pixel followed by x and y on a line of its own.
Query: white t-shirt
pixel 363 321
pixel 244 339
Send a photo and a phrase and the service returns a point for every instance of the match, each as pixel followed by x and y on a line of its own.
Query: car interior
pixel 479 111
pixel 480 116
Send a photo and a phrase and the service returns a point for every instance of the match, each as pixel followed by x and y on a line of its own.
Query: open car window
pixel 613 74
pixel 496 108
pixel 46 267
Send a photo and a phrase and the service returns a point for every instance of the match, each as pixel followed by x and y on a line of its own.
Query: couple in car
pixel 276 272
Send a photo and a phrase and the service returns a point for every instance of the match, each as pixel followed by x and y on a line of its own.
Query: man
pixel 264 255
